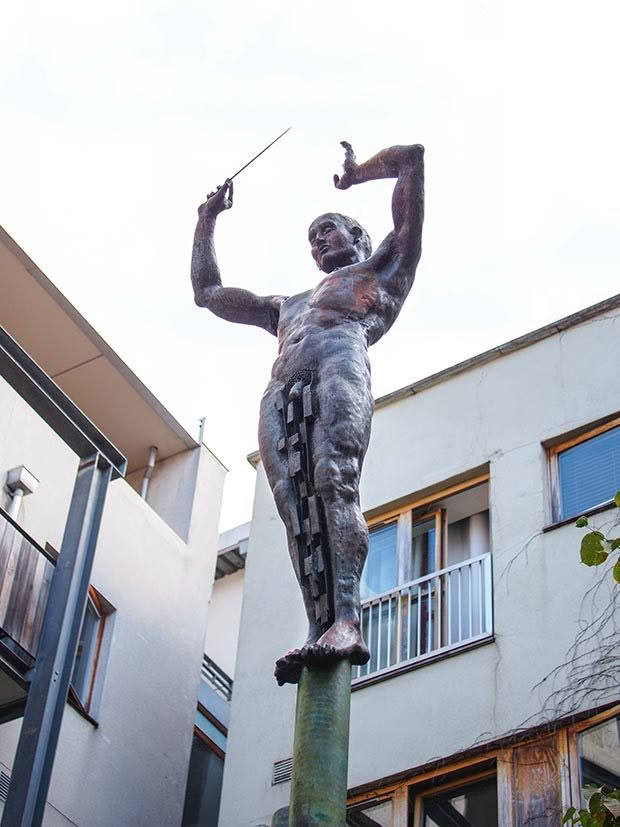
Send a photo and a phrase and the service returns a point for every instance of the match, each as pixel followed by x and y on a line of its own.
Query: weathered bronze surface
pixel 316 411
pixel 320 754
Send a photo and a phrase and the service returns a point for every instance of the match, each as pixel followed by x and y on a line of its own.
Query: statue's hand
pixel 218 201
pixel 350 167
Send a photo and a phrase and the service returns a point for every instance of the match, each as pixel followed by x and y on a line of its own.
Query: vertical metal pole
pixel 47 694
pixel 321 753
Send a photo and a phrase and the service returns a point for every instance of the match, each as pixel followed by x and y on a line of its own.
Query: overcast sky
pixel 119 117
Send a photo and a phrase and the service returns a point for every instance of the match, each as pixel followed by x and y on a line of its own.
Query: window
pixel 370 815
pixel 599 755
pixel 426 582
pixel 204 784
pixel 472 806
pixel 89 650
pixel 585 472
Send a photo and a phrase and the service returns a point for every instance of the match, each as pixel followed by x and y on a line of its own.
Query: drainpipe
pixel 148 471
pixel 19 483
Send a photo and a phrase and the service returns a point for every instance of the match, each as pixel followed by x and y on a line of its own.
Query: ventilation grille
pixel 282 771
pixel 5 780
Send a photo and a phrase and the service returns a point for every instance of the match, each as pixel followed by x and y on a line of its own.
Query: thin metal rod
pixel 379 634
pixel 259 154
pixel 419 637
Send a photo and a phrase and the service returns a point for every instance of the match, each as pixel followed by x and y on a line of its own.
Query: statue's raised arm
pixel 230 303
pixel 396 259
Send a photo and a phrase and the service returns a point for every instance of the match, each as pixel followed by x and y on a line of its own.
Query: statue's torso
pixel 329 324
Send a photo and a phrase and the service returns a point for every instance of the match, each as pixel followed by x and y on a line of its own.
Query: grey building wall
pixel 132 769
pixel 498 414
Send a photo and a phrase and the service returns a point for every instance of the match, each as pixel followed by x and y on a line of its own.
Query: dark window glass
pixel 373 815
pixel 599 755
pixel 423 551
pixel 471 806
pixel 589 473
pixel 381 570
pixel 86 655
pixel 204 786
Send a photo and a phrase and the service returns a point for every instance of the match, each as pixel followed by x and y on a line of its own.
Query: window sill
pixel 572 520
pixel 424 660
pixel 74 702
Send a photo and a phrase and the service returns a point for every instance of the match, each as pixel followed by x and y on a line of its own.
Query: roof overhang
pixel 82 364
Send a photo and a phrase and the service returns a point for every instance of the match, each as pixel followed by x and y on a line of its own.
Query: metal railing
pixel 217 679
pixel 436 613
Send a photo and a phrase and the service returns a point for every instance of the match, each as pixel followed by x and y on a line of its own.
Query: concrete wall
pixel 224 620
pixel 132 769
pixel 497 413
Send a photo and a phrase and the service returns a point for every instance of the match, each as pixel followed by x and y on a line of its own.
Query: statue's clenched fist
pixel 219 200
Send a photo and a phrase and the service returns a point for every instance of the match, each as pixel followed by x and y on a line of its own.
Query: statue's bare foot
pixel 346 641
pixel 318 654
pixel 288 667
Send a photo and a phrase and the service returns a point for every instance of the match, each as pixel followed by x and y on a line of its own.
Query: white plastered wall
pixel 224 620
pixel 498 413
pixel 132 769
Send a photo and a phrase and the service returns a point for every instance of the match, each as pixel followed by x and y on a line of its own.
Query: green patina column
pixel 321 752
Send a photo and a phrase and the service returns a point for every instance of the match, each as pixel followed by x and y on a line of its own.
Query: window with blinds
pixel 589 473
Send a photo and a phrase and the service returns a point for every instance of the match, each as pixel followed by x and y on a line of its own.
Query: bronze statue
pixel 316 411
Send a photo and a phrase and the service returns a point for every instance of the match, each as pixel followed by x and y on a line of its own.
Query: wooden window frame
pixel 447 786
pixel 418 510
pixel 553 452
pixel 573 782
pixel 409 794
pixel 405 517
pixel 84 705
pixel 202 736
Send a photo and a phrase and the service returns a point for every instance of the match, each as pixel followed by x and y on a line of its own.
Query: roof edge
pixel 138 386
pixel 511 346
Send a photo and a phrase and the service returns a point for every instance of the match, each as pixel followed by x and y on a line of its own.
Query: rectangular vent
pixel 282 771
pixel 5 780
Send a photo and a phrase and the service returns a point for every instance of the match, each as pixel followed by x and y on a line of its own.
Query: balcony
pixel 26 572
pixel 216 678
pixel 427 618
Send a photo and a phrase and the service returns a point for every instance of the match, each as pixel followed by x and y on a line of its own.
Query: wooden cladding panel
pixel 537 784
pixel 25 577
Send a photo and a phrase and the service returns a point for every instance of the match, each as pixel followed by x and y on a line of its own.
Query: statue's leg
pixel 341 432
pixel 275 462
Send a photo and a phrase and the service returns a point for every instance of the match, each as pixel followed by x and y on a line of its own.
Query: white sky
pixel 118 118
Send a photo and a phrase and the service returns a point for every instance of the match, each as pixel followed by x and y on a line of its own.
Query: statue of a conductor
pixel 317 409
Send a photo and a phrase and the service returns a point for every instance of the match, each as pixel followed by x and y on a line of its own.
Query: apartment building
pixel 126 734
pixel 206 769
pixel 481 705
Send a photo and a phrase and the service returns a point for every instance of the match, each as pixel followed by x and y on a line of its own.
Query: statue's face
pixel 332 244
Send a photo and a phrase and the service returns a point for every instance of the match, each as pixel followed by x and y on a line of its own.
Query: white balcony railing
pixel 437 613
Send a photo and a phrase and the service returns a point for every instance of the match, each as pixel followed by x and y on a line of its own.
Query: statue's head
pixel 337 240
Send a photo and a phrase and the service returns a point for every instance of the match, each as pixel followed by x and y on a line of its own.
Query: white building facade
pixel 126 734
pixel 473 595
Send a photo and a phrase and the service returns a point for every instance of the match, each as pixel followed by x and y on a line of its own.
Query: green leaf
pixel 569 814
pixel 617 499
pixel 615 543
pixel 616 571
pixel 582 522
pixel 595 803
pixel 592 552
